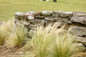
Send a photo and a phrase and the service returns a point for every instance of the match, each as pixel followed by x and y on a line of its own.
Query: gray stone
pixel 30 17
pixel 81 40
pixel 77 31
pixel 66 14
pixel 79 14
pixel 38 14
pixel 81 20
pixel 56 14
pixel 31 20
pixel 81 47
pixel 19 14
pixel 39 17
pixel 50 19
pixel 66 20
pixel 39 22
pixel 47 13
pixel 31 33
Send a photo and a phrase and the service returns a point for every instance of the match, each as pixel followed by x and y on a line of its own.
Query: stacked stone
pixel 43 18
pixel 78 28
pixel 75 20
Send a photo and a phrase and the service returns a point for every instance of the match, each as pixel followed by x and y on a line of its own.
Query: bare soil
pixel 12 52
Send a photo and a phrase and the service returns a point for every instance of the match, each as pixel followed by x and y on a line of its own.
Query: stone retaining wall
pixel 72 22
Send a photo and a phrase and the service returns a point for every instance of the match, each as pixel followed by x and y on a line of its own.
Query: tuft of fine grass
pixel 41 41
pixel 20 33
pixel 17 37
pixel 3 34
pixel 64 46
pixel 5 30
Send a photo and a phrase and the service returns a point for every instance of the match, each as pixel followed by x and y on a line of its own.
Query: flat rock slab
pixel 79 14
pixel 81 20
pixel 77 31
pixel 66 14
pixel 47 13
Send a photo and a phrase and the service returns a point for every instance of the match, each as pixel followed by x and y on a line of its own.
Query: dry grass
pixel 17 37
pixel 64 46
pixel 46 42
pixel 5 30
pixel 20 33
pixel 41 41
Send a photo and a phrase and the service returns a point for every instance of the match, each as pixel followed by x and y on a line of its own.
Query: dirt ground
pixel 17 52
pixel 14 52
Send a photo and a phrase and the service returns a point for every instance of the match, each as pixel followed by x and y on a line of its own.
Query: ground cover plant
pixel 11 35
pixel 9 7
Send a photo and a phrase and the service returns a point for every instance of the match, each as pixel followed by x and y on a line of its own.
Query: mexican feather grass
pixel 46 42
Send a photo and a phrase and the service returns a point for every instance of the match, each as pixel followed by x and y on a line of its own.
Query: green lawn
pixel 9 7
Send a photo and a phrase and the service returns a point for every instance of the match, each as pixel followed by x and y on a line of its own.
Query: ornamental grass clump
pixel 41 41
pixel 20 35
pixel 64 46
pixel 17 37
pixel 3 34
pixel 5 30
pixel 47 42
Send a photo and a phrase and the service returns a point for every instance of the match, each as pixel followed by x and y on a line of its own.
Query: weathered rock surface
pixel 47 13
pixel 80 47
pixel 56 14
pixel 77 31
pixel 66 14
pixel 81 40
pixel 81 20
pixel 79 14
